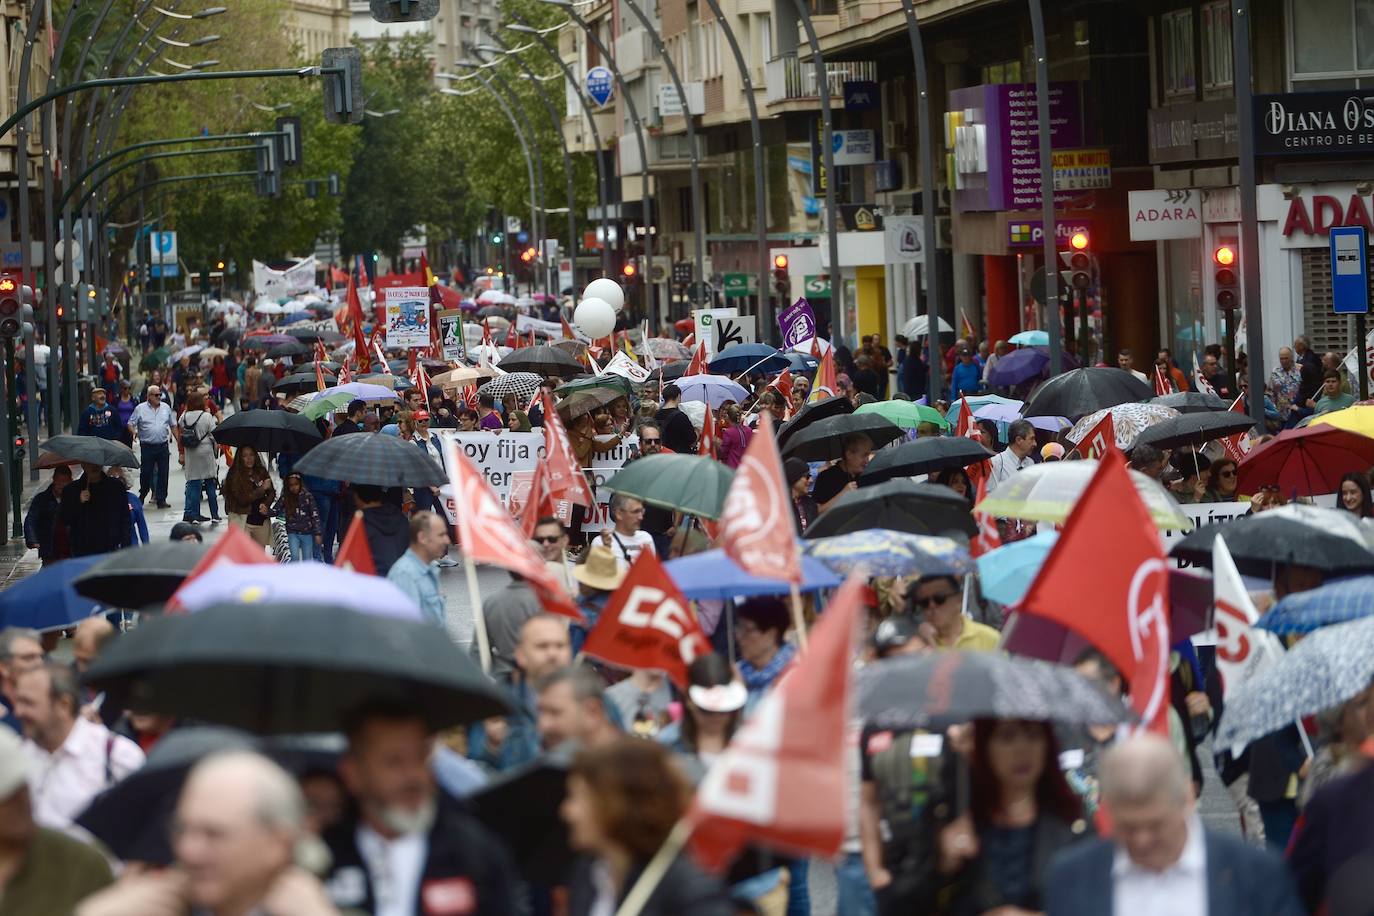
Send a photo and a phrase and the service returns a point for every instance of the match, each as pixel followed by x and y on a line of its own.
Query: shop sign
pixel 1193 131
pixel 861 95
pixel 1029 233
pixel 1081 169
pixel 1314 123
pixel 1170 214
pixel 1310 218
pixel 853 147
pixel 993 133
pixel 860 218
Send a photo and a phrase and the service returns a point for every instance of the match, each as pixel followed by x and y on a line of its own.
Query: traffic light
pixel 630 270
pixel 404 10
pixel 1079 262
pixel 782 281
pixel 343 90
pixel 528 255
pixel 497 238
pixel 219 265
pixel 1225 261
pixel 290 141
pixel 11 305
pixel 269 167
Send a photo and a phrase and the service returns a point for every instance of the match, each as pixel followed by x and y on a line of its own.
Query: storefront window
pixel 1186 319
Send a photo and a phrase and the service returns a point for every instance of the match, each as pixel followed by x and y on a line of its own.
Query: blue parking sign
pixel 1349 271
pixel 600 85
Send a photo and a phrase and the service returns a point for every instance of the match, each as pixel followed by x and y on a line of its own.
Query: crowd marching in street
pixel 766 619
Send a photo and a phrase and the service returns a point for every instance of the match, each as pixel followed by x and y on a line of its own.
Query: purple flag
pixel 797 323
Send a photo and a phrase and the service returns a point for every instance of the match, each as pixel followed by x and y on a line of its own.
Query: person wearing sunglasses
pixel 551 540
pixel 1223 481
pixel 938 602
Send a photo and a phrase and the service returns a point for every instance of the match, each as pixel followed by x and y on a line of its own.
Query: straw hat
pixel 600 571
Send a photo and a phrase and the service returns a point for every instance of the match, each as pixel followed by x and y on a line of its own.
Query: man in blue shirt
pixel 99 418
pixel 414 573
pixel 967 375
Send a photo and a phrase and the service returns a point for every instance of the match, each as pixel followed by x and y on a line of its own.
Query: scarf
pixel 756 679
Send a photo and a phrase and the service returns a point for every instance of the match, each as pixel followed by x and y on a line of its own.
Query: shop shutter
pixel 1325 330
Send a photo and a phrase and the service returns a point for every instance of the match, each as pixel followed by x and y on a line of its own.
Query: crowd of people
pixel 993 816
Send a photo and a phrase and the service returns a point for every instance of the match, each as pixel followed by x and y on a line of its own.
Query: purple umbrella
pixel 999 413
pixel 309 582
pixel 1025 365
pixel 360 390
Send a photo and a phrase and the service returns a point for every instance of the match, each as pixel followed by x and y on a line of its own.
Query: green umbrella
pixel 327 404
pixel 156 358
pixel 616 383
pixel 692 484
pixel 906 414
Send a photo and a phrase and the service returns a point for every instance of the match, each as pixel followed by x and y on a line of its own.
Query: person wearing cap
pixel 712 712
pixel 1052 451
pixel 804 508
pixel 185 531
pixel 596 578
pixel 967 375
pixel 427 498
pixel 41 870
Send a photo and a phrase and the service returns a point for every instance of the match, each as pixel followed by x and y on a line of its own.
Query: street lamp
pixel 271 108
pixel 368 112
pixel 193 43
pixel 198 14
pixel 198 65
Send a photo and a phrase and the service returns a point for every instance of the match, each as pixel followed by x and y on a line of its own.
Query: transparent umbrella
pixel 1048 493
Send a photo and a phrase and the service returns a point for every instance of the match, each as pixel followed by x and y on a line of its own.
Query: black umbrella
pixel 542 360
pixel 669 372
pixel 916 508
pixel 520 807
pixel 1083 391
pixel 824 439
pixel 923 456
pixel 302 382
pixel 1194 429
pixel 947 688
pixel 810 413
pixel 133 816
pixel 1191 401
pixel 1259 543
pixel 91 450
pixel 384 461
pixel 492 311
pixel 141 576
pixel 313 334
pixel 278 668
pixel 290 349
pixel 270 431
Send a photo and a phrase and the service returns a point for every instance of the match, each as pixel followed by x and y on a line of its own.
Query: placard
pixel 407 317
pixel 451 334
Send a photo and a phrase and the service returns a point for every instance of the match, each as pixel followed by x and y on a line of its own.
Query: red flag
pixel 965 328
pixel 233 547
pixel 420 379
pixel 355 321
pixel 756 523
pixel 469 396
pixel 381 356
pixel 411 361
pixel 1163 385
pixel 965 425
pixel 1237 446
pixel 815 347
pixel 706 443
pixel 487 533
pixel 566 480
pixel 647 623
pixel 987 539
pixel 783 385
pixel 512 340
pixel 354 553
pixel 1117 600
pixel 1099 440
pixel 540 503
pixel 783 782
pixel 320 354
pixel 425 272
pixel 698 364
pixel 319 378
pixel 532 342
pixel 567 329
pixel 345 374
pixel 486 334
pixel 825 376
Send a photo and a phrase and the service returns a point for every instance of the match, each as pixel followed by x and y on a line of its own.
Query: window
pixel 766 37
pixel 1007 71
pixel 1216 45
pixel 1176 33
pixel 1331 44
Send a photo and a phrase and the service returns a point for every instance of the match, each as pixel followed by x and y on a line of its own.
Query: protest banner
pixel 797 323
pixel 451 334
pixel 520 485
pixel 552 329
pixel 298 278
pixel 604 466
pixel 407 317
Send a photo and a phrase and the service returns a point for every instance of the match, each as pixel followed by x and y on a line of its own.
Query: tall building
pixel 318 24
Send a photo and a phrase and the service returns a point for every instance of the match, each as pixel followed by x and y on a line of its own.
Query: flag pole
pixel 479 621
pixel 653 872
pixel 798 622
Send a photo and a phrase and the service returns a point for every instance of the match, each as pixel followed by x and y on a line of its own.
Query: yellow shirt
pixel 977 637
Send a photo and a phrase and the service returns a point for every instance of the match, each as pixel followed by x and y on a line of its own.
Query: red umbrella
pixel 1305 461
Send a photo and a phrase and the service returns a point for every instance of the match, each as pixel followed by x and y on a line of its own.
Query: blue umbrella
pixel 1030 339
pixel 1007 572
pixel 799 363
pixel 46 600
pixel 713 575
pixel 1020 366
pixel 713 389
pixel 754 357
pixel 976 401
pixel 883 552
pixel 1337 601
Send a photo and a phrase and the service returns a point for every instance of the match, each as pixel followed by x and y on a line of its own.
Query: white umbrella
pixel 1128 422
pixel 265 307
pixel 804 346
pixel 192 350
pixel 1048 492
pixel 920 326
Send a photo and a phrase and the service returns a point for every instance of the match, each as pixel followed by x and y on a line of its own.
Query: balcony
pixel 790 79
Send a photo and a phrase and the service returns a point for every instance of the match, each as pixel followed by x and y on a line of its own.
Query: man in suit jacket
pixel 1163 859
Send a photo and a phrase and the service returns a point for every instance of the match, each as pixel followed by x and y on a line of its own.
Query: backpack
pixel 189 437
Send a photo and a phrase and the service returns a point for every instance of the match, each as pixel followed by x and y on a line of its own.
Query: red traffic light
pixel 629 270
pixel 1224 256
pixel 780 261
pixel 7 285
pixel 1079 241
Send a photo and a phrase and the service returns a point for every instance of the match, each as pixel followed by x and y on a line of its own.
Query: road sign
pixel 739 285
pixel 1349 271
pixel 163 248
pixel 816 286
pixel 156 271
pixel 600 85
pixel 513 224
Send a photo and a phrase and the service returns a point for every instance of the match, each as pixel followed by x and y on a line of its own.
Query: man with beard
pixel 408 847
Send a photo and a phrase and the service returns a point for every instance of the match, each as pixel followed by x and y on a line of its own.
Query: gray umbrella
pixel 373 458
pixel 91 450
pixel 141 576
pixel 947 688
pixel 1321 672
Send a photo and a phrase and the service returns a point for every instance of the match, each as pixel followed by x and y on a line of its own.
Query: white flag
pixel 1241 649
pixel 623 366
pixel 1199 379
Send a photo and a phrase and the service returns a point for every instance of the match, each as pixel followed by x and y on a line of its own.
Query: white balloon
pixel 606 289
pixel 596 317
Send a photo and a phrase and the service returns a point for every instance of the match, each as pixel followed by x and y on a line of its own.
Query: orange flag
pixel 825 376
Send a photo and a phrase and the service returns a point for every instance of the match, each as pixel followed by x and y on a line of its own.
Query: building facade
pixel 318 24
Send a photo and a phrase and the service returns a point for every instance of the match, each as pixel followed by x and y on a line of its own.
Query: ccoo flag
pixel 756 526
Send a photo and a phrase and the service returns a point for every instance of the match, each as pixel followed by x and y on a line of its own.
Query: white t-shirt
pixel 627 547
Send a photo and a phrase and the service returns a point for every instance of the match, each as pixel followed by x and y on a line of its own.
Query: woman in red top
pixel 221 383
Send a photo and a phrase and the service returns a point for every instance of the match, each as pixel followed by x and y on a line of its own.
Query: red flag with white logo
pixel 706 442
pixel 565 477
pixel 698 364
pixel 354 553
pixel 783 782
pixel 345 374
pixel 756 527
pixel 1099 439
pixel 1237 446
pixel 487 534
pixel 783 385
pixel 540 503
pixel 648 624
pixel 965 425
pixel 1163 385
pixel 987 539
pixel 1242 650
pixel 1117 599
pixel 486 334
pixel 234 547
pixel 512 339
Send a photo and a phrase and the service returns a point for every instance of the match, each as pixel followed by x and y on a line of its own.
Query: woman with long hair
pixel 248 493
pixel 735 438
pixel 221 382
pixel 1354 495
pixel 1222 483
pixel 199 457
pixel 1021 812
pixel 623 800
pixel 957 480
pixel 303 529
pixel 712 710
